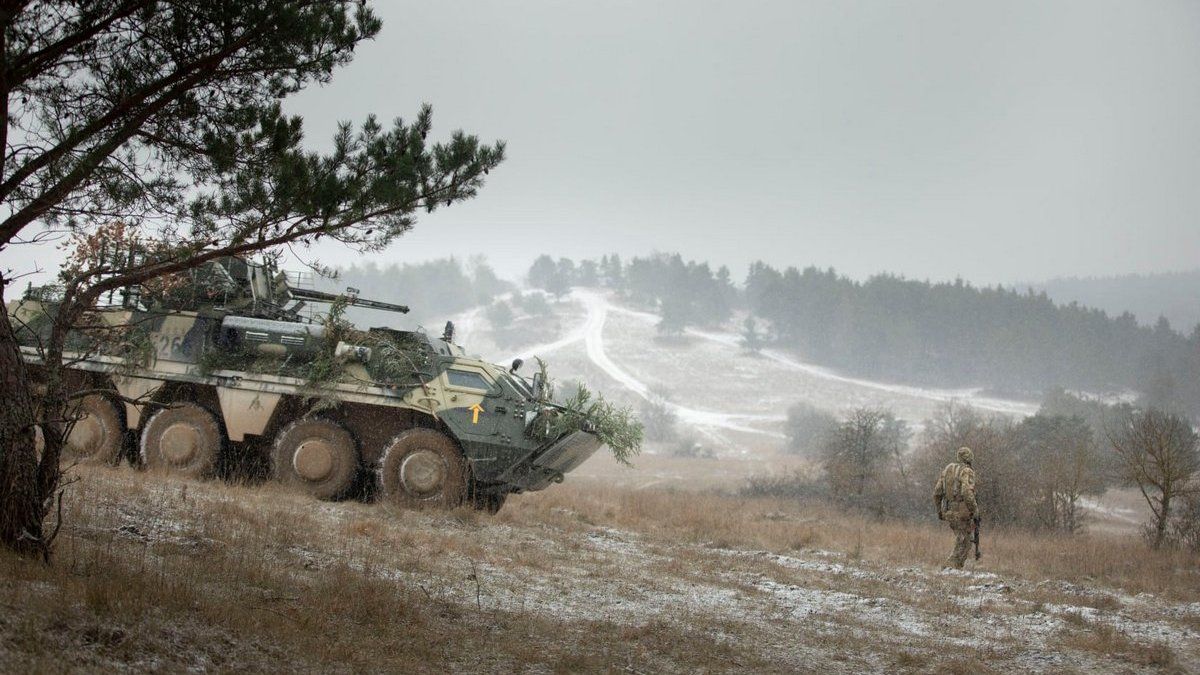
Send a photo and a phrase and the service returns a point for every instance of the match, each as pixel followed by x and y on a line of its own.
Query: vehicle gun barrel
pixel 321 296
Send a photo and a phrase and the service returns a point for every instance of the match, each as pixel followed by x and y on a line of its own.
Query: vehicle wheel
pixel 317 455
pixel 97 433
pixel 421 468
pixel 184 439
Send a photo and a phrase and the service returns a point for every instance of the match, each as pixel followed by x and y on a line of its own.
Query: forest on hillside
pixel 893 328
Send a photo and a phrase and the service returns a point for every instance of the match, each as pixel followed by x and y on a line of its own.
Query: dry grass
pixel 1103 639
pixel 153 573
pixel 245 583
pixel 778 525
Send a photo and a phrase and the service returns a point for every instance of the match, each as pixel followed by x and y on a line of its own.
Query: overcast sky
pixel 999 141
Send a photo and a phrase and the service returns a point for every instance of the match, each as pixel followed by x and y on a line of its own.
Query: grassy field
pixel 159 574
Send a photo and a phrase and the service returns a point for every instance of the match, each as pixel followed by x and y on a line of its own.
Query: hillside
pixel 944 334
pixel 669 566
pixel 157 574
pixel 734 399
pixel 1174 295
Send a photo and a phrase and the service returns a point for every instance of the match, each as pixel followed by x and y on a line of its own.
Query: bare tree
pixel 861 451
pixel 1003 478
pixel 807 428
pixel 1158 453
pixel 1063 464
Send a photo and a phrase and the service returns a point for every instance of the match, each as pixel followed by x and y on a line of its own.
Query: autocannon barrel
pixel 321 296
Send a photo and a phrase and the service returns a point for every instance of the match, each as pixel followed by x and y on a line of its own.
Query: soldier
pixel 954 496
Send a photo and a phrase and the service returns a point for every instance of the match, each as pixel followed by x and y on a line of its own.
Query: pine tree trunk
pixel 22 506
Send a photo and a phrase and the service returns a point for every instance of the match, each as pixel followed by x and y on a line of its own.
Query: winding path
pixel 591 333
pixel 970 396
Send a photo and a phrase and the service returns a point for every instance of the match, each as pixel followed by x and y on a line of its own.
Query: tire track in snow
pixel 597 307
pixel 970 396
pixel 570 339
pixel 591 332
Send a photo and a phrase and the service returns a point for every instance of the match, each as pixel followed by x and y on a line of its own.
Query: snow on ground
pixel 803 609
pixel 971 396
pixel 807 607
pixel 735 401
pixel 794 607
pixel 1118 513
pixel 714 387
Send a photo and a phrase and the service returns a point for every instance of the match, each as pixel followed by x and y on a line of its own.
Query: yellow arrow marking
pixel 476 409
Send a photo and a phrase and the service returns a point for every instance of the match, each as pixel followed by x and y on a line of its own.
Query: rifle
pixel 975 538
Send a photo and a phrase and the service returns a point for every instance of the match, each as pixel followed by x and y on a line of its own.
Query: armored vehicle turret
pixel 228 361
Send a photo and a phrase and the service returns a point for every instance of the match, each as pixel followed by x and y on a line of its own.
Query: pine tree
pixel 676 315
pixel 752 340
pixel 542 272
pixel 123 115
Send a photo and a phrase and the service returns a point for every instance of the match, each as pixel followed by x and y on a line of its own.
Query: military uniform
pixel 954 496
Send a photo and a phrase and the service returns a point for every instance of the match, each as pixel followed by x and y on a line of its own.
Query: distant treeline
pixel 888 327
pixel 431 289
pixel 1175 295
pixel 684 293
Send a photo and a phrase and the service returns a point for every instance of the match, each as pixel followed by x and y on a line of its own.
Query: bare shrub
pixel 657 417
pixel 532 303
pixel 1063 464
pixel 996 444
pixel 500 314
pixel 862 456
pixel 807 429
pixel 1185 524
pixel 1098 415
pixel 688 446
pixel 794 485
pixel 1158 453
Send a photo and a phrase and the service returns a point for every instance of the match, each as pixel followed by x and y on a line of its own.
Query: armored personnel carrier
pixel 223 362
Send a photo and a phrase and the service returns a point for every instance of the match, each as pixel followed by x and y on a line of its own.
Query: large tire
pixel 98 431
pixel 316 455
pixel 423 468
pixel 184 439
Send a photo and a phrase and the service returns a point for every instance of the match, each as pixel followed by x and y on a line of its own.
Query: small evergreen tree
pixel 657 417
pixel 675 316
pixel 589 274
pixel 501 315
pixel 752 340
pixel 542 273
pixel 612 272
pixel 560 284
pixel 567 272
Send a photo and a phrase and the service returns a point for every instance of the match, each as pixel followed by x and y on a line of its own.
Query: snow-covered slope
pixel 736 399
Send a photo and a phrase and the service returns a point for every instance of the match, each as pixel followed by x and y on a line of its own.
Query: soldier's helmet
pixel 965 455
